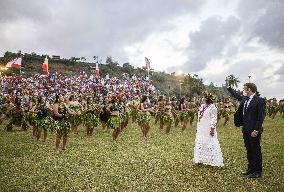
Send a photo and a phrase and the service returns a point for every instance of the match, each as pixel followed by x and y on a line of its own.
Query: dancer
pixel 62 126
pixel 145 117
pixel 168 116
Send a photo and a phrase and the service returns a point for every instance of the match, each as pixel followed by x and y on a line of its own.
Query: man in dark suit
pixel 250 115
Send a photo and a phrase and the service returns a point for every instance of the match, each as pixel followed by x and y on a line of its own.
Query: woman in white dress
pixel 207 148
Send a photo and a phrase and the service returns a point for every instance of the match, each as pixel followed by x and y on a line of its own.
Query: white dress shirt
pixel 248 102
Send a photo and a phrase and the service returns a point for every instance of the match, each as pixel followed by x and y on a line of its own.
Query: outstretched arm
pixel 235 94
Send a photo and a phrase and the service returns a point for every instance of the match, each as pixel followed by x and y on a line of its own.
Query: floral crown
pixel 208 95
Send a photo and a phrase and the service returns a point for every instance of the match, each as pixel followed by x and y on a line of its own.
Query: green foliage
pixel 62 126
pixel 127 68
pixel 193 85
pixel 134 113
pixel 144 119
pixel 90 120
pixel 125 116
pixel 168 120
pixel 114 122
pixel 8 56
pixel 212 89
pixel 46 123
pixel 184 116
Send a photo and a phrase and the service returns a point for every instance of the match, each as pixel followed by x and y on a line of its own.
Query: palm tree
pixel 233 81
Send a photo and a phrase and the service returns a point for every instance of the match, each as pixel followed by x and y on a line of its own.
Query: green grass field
pixel 161 163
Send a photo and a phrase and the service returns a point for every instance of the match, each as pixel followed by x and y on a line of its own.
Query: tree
pixel 192 85
pixel 109 60
pixel 127 68
pixel 212 89
pixel 9 56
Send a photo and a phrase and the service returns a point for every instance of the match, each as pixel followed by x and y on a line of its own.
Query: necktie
pixel 246 104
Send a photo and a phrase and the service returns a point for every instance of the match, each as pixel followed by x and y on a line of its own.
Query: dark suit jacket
pixel 253 117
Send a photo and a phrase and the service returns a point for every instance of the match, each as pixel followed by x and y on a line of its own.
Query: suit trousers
pixel 253 149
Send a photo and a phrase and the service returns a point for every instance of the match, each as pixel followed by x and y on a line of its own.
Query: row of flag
pixel 17 63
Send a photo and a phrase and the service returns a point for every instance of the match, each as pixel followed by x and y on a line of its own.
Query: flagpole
pixel 147 61
pixel 21 69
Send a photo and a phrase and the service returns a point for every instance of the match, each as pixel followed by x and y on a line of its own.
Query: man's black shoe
pixel 255 175
pixel 247 172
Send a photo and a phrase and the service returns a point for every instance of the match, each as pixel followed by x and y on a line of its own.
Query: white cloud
pixel 164 48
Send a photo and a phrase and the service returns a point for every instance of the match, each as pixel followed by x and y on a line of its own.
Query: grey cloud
pixel 29 9
pixel 264 20
pixel 260 19
pixel 209 42
pixel 281 72
pixel 244 67
pixel 87 28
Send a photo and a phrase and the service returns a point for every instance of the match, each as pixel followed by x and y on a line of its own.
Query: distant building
pixel 55 57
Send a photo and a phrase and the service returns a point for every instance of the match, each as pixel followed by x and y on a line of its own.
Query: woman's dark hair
pixel 251 86
pixel 144 98
pixel 89 100
pixel 168 102
pixel 114 100
pixel 18 102
pixel 71 98
pixel 56 99
pixel 208 101
pixel 161 98
pixel 182 100
pixel 104 109
pixel 39 99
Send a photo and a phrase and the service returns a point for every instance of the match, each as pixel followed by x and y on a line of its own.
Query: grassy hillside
pixel 168 84
pixel 161 163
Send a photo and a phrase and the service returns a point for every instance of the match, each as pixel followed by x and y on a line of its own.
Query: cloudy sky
pixel 213 38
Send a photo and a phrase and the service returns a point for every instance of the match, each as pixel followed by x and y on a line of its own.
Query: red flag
pixel 147 61
pixel 97 70
pixel 45 66
pixel 16 63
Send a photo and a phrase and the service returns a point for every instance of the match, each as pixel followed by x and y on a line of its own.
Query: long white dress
pixel 207 149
